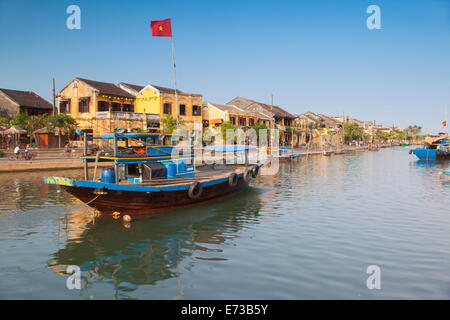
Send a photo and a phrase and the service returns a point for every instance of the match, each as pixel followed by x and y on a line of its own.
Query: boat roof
pixel 436 140
pixel 229 148
pixel 134 159
pixel 135 135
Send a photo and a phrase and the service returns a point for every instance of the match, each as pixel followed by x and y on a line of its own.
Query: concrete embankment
pixel 45 165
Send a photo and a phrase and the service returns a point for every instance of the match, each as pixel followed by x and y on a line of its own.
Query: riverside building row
pixel 102 107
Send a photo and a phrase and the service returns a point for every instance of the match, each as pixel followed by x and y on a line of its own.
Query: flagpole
pixel 175 78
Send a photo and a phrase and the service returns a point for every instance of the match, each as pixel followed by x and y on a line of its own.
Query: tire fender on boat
pixel 248 175
pixel 195 190
pixel 232 180
pixel 410 151
pixel 255 171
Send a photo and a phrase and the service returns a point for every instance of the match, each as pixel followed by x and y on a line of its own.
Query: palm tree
pixel 413 131
pixel 63 122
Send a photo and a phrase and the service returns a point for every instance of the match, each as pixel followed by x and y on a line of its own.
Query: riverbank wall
pixel 45 165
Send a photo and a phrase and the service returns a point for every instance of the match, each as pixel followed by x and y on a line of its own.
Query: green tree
pixel 413 131
pixel 35 123
pixel 382 136
pixel 261 126
pixel 399 135
pixel 169 124
pixel 63 122
pixel 353 132
pixel 224 126
pixel 21 120
pixel 5 122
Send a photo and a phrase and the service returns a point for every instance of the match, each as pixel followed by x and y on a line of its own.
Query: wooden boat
pixel 434 148
pixel 158 194
pixel 138 185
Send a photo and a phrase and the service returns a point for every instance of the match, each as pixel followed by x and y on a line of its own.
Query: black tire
pixel 233 179
pixel 248 175
pixel 195 190
pixel 255 171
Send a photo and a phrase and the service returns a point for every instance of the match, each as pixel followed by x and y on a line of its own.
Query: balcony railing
pixel 121 115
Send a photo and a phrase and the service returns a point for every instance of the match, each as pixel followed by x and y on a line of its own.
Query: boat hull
pixel 430 154
pixel 145 202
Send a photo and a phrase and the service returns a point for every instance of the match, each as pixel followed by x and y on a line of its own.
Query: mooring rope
pixel 95 198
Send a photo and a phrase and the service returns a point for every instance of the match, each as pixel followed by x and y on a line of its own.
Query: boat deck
pixel 202 173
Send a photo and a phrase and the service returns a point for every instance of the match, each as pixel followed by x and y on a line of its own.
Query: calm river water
pixel 308 233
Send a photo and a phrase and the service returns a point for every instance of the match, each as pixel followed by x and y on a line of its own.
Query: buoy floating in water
pixel 116 214
pixel 126 218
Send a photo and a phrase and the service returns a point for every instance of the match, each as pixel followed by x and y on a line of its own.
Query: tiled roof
pixel 135 87
pixel 27 99
pixel 237 111
pixel 107 88
pixel 172 91
pixel 229 108
pixel 277 111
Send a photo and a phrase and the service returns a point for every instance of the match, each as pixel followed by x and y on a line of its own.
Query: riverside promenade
pixel 57 161
pixel 8 166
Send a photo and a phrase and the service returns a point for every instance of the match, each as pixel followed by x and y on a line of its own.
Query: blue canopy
pixel 229 148
pixel 134 135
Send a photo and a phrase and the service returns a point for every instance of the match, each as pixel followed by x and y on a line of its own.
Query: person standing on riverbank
pixel 17 151
pixel 68 150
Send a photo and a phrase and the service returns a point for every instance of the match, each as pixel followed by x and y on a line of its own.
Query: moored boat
pixel 139 183
pixel 154 192
pixel 434 148
pixel 284 154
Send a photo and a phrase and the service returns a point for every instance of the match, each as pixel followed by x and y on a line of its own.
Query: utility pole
pixel 54 98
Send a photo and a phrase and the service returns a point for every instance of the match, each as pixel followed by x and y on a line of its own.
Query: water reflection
pixel 285 238
pixel 151 248
pixel 24 191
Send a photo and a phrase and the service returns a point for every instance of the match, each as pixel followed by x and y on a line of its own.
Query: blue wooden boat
pixel 140 184
pixel 437 148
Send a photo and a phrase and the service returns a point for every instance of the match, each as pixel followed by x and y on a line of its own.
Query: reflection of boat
pixel 137 185
pixel 445 175
pixel 434 148
pixel 152 250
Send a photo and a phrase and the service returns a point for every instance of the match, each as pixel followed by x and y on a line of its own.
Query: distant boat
pixel 284 154
pixel 434 148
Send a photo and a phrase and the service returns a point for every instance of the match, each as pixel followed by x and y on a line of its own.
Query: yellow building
pixel 300 132
pixel 159 100
pixel 102 107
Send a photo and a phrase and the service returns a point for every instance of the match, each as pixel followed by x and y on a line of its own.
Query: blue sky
pixel 313 55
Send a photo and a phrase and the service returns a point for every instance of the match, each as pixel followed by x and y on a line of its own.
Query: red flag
pixel 444 123
pixel 161 28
